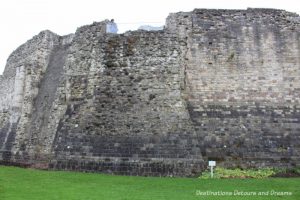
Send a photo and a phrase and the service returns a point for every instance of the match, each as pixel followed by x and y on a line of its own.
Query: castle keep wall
pixel 125 107
pixel 242 82
pixel 214 84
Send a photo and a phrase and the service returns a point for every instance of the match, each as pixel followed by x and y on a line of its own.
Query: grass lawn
pixel 23 184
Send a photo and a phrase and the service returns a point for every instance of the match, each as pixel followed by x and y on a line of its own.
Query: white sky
pixel 20 20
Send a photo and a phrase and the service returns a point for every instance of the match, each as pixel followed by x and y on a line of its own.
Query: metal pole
pixel 211 171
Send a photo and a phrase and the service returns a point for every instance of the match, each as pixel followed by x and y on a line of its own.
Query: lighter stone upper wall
pixel 240 55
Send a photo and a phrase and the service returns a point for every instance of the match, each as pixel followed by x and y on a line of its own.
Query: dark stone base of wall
pixel 165 167
pixel 143 166
pixel 147 167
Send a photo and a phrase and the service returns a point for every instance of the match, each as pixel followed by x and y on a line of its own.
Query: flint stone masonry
pixel 212 85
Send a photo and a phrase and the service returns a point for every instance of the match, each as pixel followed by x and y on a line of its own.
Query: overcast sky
pixel 22 19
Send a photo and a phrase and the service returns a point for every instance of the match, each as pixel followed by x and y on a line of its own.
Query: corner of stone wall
pixel 24 70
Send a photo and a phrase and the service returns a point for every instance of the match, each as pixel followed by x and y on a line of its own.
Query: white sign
pixel 212 163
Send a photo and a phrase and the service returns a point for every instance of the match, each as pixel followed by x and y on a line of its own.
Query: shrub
pixel 287 172
pixel 220 172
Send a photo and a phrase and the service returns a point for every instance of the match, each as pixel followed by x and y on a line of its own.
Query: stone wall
pixel 242 83
pixel 125 110
pixel 214 84
pixel 21 83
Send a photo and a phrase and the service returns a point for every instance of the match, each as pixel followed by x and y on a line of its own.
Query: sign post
pixel 212 164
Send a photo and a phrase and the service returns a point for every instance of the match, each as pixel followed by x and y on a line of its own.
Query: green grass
pixel 23 184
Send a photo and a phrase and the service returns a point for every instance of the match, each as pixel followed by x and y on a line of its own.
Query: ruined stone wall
pixel 214 84
pixel 242 82
pixel 125 110
pixel 20 86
